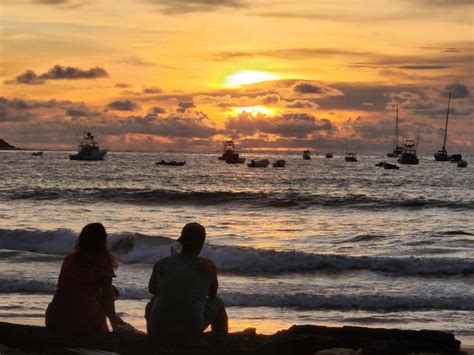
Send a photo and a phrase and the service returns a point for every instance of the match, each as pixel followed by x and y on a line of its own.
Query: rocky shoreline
pixel 4 145
pixel 298 339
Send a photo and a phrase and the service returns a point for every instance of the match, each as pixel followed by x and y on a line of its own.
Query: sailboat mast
pixel 396 130
pixel 447 117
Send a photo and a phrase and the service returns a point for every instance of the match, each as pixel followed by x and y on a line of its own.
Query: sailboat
pixel 397 150
pixel 442 154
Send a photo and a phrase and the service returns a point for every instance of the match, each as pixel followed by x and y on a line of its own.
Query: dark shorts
pixel 212 310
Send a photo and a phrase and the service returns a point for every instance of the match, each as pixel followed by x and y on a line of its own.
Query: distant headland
pixel 6 146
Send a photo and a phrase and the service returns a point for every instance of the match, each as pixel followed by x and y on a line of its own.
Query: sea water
pixel 322 241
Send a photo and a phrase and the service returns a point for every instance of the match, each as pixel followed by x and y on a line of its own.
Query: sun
pixel 245 77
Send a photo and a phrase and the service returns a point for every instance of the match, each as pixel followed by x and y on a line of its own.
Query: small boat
pixel 88 149
pixel 306 155
pixel 329 155
pixel 389 166
pixel 455 158
pixel 442 154
pixel 229 154
pixel 279 163
pixel 258 163
pixel 380 164
pixel 462 163
pixel 235 159
pixel 397 150
pixel 37 154
pixel 408 155
pixel 228 151
pixel 351 157
pixel 171 162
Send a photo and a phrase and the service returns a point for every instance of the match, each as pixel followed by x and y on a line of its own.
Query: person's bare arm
pixel 211 274
pixel 107 301
pixel 152 284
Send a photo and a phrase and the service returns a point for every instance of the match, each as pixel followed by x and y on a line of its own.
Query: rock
pixel 304 340
pixel 5 146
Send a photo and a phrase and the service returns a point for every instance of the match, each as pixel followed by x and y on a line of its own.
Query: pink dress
pixel 75 306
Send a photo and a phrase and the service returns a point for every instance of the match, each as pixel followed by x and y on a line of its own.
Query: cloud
pixel 177 7
pixel 123 85
pixel 457 90
pixel 28 77
pixel 423 67
pixel 123 105
pixel 76 112
pixel 58 72
pixel 184 106
pixel 314 88
pixel 157 110
pixel 301 104
pixel 299 125
pixel 152 90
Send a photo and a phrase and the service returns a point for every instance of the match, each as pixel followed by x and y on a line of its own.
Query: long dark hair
pixel 93 240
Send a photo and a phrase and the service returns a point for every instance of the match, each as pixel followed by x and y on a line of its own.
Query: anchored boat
pixel 397 150
pixel 442 154
pixel 408 155
pixel 88 149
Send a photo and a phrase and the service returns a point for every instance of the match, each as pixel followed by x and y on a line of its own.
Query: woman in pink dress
pixel 84 296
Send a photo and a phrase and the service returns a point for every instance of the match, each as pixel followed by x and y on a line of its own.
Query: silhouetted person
pixel 85 296
pixel 185 289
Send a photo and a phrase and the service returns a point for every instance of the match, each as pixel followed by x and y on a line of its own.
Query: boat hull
pixel 441 157
pixel 235 161
pixel 94 157
pixel 350 159
pixel 408 159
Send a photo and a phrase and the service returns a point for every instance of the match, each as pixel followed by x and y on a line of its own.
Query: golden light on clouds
pixel 254 110
pixel 245 77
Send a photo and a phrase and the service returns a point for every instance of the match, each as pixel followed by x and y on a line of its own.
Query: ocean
pixel 322 241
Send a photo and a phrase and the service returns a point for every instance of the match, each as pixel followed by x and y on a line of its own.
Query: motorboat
pixel 230 155
pixel 455 158
pixel 88 149
pixel 351 157
pixel 279 163
pixel 389 166
pixel 329 155
pixel 408 155
pixel 306 155
pixel 258 163
pixel 462 163
pixel 171 162
pixel 228 151
pixel 37 154
pixel 442 154
pixel 235 159
pixel 397 150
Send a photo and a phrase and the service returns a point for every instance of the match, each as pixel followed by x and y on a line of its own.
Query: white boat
pixel 88 149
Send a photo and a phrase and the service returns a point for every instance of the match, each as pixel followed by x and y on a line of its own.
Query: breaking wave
pixel 257 199
pixel 298 300
pixel 139 248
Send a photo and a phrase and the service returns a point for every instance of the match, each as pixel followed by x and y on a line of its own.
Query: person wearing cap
pixel 184 286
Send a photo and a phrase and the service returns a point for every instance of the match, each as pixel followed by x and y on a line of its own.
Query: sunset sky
pixel 188 74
